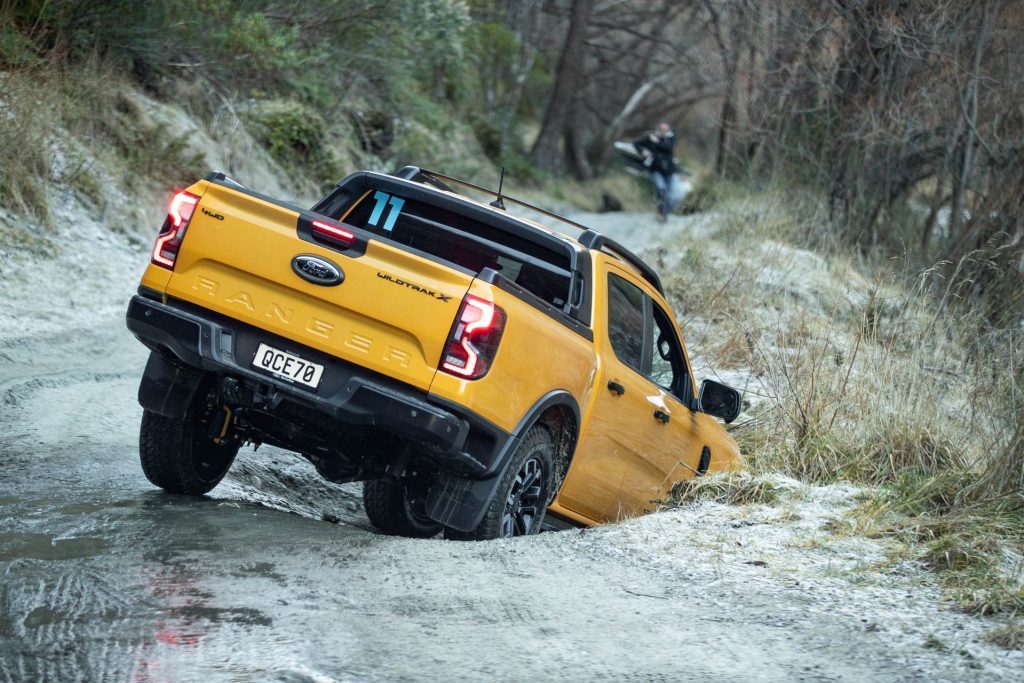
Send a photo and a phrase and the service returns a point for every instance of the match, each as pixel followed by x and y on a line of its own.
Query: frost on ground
pixel 793 557
pixel 783 577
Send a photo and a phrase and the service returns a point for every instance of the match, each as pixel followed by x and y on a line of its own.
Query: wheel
pixel 180 457
pixel 518 506
pixel 396 508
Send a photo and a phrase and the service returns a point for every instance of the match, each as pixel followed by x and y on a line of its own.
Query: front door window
pixel 668 365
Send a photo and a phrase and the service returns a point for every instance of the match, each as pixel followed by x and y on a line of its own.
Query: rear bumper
pixel 202 339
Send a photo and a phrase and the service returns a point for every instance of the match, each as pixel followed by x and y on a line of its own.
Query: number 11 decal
pixel 383 201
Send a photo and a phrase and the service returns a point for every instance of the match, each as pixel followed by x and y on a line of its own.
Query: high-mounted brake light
pixel 474 338
pixel 168 242
pixel 333 232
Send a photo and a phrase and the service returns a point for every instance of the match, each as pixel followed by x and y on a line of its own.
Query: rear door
pixel 620 429
pixel 392 312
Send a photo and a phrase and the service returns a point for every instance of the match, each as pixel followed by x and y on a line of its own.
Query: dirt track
pixel 104 578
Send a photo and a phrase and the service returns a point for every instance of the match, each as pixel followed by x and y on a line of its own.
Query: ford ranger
pixel 484 375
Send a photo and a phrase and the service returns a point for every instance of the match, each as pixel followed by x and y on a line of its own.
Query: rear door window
pixel 626 321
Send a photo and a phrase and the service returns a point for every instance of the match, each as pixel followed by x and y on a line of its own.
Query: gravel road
pixel 102 577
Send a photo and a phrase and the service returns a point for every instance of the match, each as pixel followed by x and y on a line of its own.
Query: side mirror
pixel 719 400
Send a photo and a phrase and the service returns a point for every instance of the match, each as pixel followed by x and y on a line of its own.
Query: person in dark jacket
pixel 658 150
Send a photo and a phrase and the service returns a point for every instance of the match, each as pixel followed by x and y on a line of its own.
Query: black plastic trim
pixel 355 249
pixel 493 277
pixel 558 397
pixel 167 389
pixel 150 293
pixel 647 353
pixel 583 277
pixel 595 240
pixel 705 461
pixel 460 502
pixel 554 522
pixel 417 175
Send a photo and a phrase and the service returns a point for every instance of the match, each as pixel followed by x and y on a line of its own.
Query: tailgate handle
pixel 661 416
pixel 616 387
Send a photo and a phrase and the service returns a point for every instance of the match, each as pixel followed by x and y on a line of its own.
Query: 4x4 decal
pixel 444 298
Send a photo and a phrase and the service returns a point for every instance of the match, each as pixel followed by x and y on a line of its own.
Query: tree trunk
pixel 969 107
pixel 576 155
pixel 729 53
pixel 938 199
pixel 545 152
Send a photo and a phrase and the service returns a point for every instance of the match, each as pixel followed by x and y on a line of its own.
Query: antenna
pixel 497 203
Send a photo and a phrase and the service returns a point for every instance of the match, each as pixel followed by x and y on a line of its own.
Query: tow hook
pixel 228 414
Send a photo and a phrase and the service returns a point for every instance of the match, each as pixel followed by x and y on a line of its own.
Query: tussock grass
pixel 867 372
pixel 731 488
pixel 23 146
pixel 987 594
pixel 1009 637
pixel 82 128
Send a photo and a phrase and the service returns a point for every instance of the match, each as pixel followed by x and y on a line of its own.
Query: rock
pixel 609 203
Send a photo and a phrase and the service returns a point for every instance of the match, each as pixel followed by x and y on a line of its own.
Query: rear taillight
pixel 474 339
pixel 168 242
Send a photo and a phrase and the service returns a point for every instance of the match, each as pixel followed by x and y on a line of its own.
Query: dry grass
pixel 79 128
pixel 23 145
pixel 1009 637
pixel 857 379
pixel 731 488
pixel 880 379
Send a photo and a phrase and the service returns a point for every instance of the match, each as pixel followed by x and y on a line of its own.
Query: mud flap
pixel 167 389
pixel 460 503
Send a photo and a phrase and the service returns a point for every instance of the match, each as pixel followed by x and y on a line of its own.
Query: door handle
pixel 616 387
pixel 661 416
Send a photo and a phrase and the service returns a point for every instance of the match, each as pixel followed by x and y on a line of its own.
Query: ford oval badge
pixel 317 270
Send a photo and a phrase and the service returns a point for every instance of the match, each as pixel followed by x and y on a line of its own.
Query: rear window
pixel 462 241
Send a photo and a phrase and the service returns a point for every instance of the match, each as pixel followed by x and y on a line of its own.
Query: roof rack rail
pixel 590 238
pixel 417 174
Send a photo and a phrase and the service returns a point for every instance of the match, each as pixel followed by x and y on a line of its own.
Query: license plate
pixel 288 366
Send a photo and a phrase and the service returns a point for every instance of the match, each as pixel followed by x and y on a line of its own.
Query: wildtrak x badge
pixel 422 290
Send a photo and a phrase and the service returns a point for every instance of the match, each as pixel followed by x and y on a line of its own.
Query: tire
pixel 179 457
pixel 523 495
pixel 394 511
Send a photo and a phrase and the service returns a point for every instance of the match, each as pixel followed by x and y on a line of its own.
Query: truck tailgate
pixel 392 313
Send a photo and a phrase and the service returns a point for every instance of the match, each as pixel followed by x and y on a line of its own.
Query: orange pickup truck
pixel 484 375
